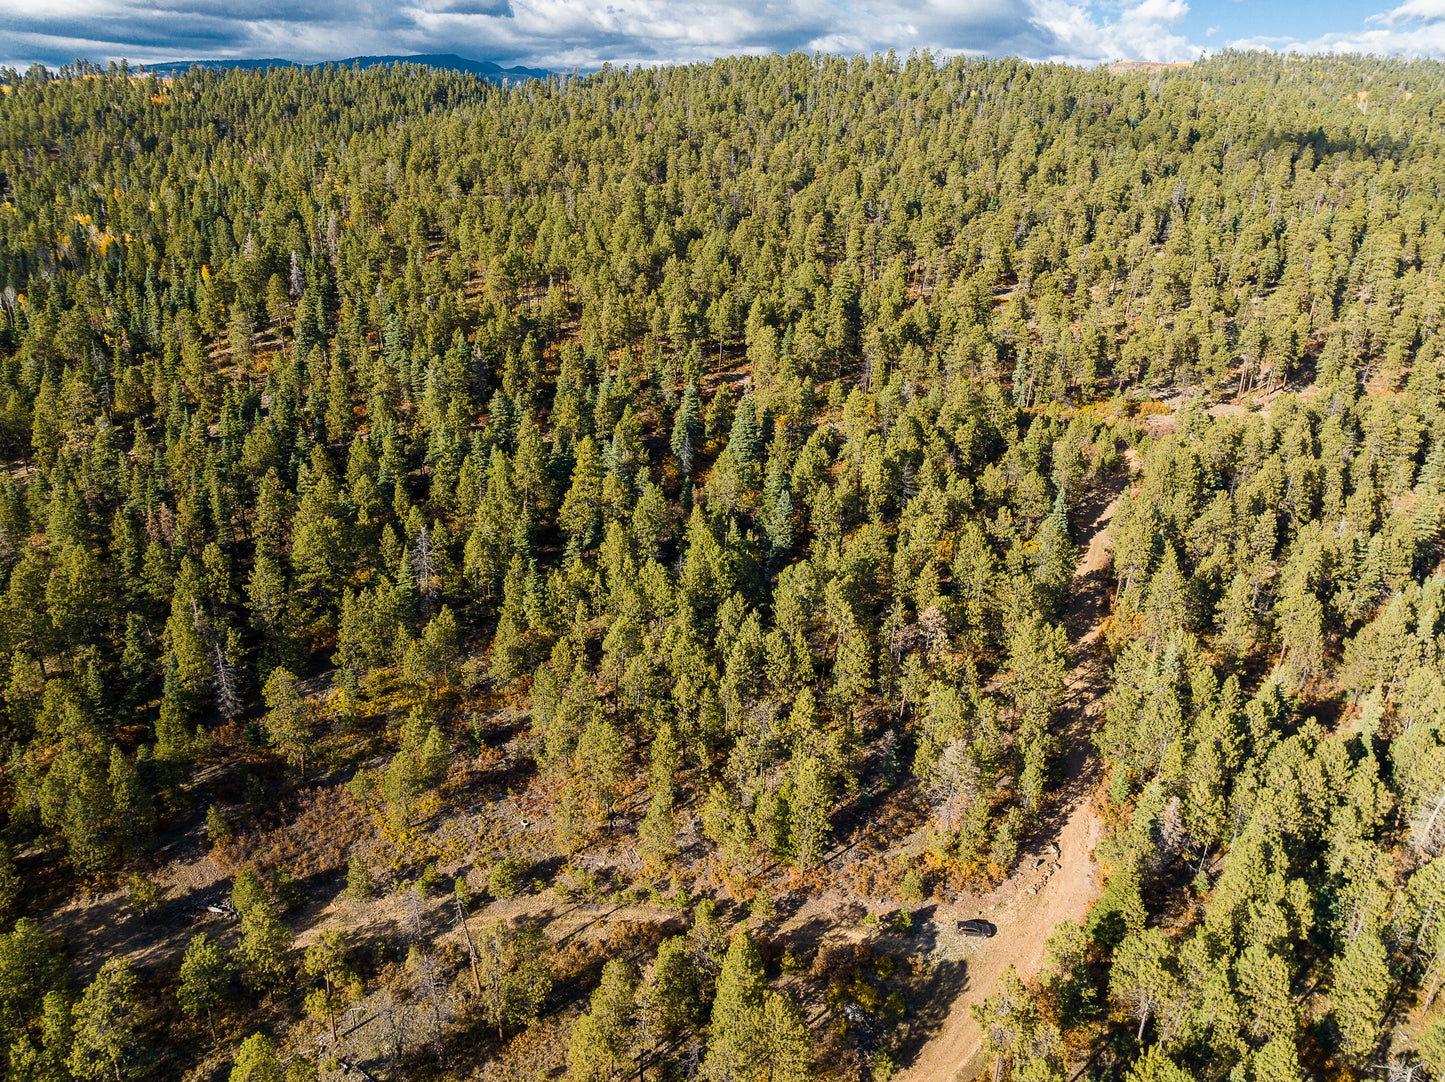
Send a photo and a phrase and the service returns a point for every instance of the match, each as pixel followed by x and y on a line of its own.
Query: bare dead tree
pixel 471 947
pixel 427 982
pixel 684 455
pixel 225 680
pixel 934 626
pixel 1398 1070
pixel 1172 833
pixel 954 781
pixel 1427 829
pixel 395 1036
pixel 227 683
pixel 423 566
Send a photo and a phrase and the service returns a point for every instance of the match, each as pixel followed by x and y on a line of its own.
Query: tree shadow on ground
pixel 931 996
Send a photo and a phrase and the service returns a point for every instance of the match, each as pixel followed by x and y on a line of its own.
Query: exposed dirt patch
pixel 193 889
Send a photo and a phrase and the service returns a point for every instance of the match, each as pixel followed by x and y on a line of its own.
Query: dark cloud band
pixel 561 34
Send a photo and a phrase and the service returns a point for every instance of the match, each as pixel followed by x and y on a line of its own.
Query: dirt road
pixel 1056 878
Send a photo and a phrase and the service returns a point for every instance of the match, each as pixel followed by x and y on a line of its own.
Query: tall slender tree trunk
pixel 471 950
pixel 1424 833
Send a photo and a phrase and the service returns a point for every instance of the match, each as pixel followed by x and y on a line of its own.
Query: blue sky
pixel 562 34
pixel 1209 21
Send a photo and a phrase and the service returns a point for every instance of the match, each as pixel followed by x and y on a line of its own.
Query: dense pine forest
pixel 593 578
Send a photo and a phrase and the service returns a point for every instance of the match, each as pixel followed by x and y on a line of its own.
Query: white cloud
pixel 561 34
pixel 1411 11
pixel 1142 31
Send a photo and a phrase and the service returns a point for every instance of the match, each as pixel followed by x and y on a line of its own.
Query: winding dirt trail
pixel 1057 878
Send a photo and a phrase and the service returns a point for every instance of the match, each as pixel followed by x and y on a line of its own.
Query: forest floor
pixel 1057 878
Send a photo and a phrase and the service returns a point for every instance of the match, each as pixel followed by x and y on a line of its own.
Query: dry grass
pixel 309 834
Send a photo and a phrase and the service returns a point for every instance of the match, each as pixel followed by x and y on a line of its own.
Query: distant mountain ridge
pixel 449 61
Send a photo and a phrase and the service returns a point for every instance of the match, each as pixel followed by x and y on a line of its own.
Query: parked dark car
pixel 981 929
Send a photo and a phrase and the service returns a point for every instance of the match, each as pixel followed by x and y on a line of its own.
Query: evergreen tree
pixel 326 959
pixel 105 1021
pixel 1141 980
pixel 256 1061
pixel 513 972
pixel 287 722
pixel 785 1053
pixel 1361 981
pixel 1154 1066
pixel 809 805
pixel 736 1030
pixel 205 976
pixel 603 1040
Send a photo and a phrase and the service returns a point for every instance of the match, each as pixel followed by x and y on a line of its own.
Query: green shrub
pixel 286 890
pixel 144 895
pixel 912 888
pixel 763 907
pixel 217 829
pixel 462 890
pixel 359 884
pixel 506 877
